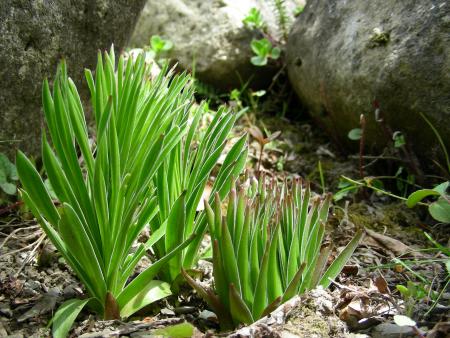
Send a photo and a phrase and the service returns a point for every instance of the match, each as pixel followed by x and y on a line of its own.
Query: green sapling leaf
pixel 355 134
pixel 440 210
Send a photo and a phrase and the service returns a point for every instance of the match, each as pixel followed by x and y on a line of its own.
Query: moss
pixel 378 38
pixel 306 321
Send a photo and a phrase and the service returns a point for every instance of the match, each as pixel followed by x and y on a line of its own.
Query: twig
pixel 258 170
pixel 11 235
pixel 31 254
pixel 10 207
pixel 362 121
pixel 276 76
pixel 18 250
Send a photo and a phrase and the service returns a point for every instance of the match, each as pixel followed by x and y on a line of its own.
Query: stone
pixel 389 330
pixel 34 36
pixel 211 35
pixel 345 57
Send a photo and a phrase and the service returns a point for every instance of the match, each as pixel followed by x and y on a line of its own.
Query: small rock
pixel 71 291
pixel 167 312
pixel 30 289
pixel 389 330
pixel 5 311
pixel 208 315
pixel 44 305
pixel 184 309
pixel 3 332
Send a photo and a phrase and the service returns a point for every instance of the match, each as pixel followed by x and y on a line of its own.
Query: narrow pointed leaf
pixel 66 315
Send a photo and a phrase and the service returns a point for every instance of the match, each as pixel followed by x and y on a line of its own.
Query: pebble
pixel 208 315
pixel 389 330
pixel 5 310
pixel 184 309
pixel 167 312
pixel 3 332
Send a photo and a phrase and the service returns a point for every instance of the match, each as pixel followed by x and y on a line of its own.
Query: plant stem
pixel 258 170
pixel 362 121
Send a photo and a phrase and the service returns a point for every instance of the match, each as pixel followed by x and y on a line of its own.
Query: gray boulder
pixel 345 55
pixel 211 35
pixel 34 35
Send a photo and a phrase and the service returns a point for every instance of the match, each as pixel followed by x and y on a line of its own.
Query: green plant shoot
pixel 105 202
pixel 263 51
pixel 267 247
pixel 254 20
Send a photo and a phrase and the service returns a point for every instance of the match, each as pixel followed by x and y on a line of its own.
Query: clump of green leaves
pixel 440 208
pixel 181 181
pixel 254 20
pixel 264 51
pixel 267 247
pixel 105 202
pixel 8 175
pixel 158 46
pixel 412 294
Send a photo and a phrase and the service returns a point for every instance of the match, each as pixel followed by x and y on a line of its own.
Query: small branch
pixel 258 170
pixel 31 254
pixel 362 121
pixel 10 207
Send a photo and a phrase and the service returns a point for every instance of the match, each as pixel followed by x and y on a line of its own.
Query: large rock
pixel 34 35
pixel 345 55
pixel 210 34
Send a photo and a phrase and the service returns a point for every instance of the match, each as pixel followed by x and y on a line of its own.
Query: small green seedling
pixel 159 45
pixel 264 51
pixel 254 20
pixel 399 139
pixel 355 134
pixel 345 188
pixel 439 209
pixel 8 175
pixel 412 294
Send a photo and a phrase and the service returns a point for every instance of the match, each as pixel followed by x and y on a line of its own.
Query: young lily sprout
pixel 107 200
pixel 267 247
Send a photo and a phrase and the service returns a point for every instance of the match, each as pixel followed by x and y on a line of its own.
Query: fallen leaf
pixel 401 320
pixel 382 285
pixel 394 245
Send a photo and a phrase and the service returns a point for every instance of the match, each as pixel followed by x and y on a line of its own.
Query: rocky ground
pixel 34 280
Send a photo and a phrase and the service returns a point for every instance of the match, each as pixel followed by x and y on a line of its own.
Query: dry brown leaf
pixel 394 245
pixel 382 285
pixel 256 133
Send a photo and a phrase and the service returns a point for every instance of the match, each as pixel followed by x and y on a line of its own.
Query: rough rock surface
pixel 344 55
pixel 34 35
pixel 209 33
